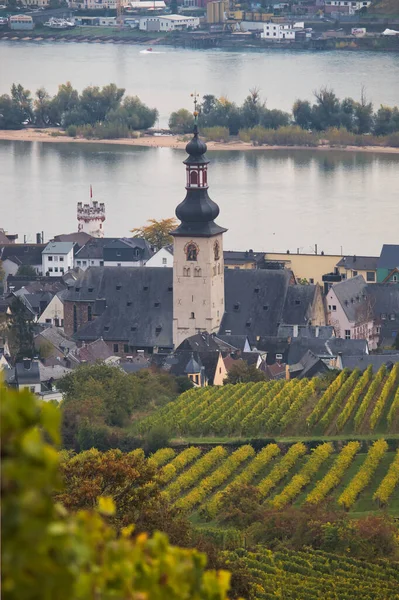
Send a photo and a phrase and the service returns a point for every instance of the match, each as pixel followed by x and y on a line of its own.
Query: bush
pixel 290 135
pixel 156 438
pixel 216 134
pixel 72 131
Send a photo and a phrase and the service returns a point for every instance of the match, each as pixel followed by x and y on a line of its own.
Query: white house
pixel 168 23
pixel 53 314
pixel 162 258
pixel 349 7
pixel 57 258
pixel 280 31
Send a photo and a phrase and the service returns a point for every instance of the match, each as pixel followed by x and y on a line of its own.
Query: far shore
pixel 173 141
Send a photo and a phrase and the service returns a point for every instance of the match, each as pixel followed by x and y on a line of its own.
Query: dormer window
pixel 297 302
pixel 77 289
pixel 129 303
pixel 248 323
pixel 265 307
pixel 106 328
pixel 145 288
pixel 133 328
pixel 257 290
pixel 236 306
pixel 157 304
pixel 158 329
pixel 170 289
pixel 383 317
pixel 118 288
pixel 90 289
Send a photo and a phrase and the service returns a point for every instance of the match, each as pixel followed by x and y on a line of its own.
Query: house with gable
pixel 388 264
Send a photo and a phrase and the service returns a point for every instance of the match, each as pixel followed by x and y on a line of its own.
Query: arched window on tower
pixel 197 272
pixel 194 178
pixel 186 271
pixel 205 177
pixel 75 319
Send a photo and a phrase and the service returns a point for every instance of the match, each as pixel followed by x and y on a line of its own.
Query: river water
pixel 269 200
pixel 165 78
pixel 275 200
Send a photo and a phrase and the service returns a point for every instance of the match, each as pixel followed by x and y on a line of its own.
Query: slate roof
pixel 78 237
pixel 254 300
pixel 359 263
pixel 298 303
pixel 363 361
pixel 324 348
pixel 138 307
pixel 54 372
pixel 90 353
pixel 131 243
pixel 351 294
pixel 324 332
pixel 389 257
pixel 237 341
pixel 242 256
pixel 309 366
pixel 57 337
pixel 23 254
pixel 205 342
pixel 93 248
pixel 58 248
pixel 25 376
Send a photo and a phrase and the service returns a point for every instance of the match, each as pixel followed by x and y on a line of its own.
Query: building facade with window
pixel 57 258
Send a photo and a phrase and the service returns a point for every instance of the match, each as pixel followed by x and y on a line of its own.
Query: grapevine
pixel 388 484
pixel 386 392
pixel 354 397
pixel 162 456
pixel 199 493
pixel 282 468
pixel 335 474
pixel 339 398
pixel 364 474
pixel 374 386
pixel 326 398
pixel 170 470
pixel 299 481
pixel 394 410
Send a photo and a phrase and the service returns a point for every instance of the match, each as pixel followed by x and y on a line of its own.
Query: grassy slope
pixel 384 7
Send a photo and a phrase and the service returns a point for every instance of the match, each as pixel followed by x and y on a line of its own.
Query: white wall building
pixel 53 314
pixel 162 258
pixel 280 31
pixel 57 258
pixel 168 23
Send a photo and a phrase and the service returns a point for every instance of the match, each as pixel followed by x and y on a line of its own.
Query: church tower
pixel 198 266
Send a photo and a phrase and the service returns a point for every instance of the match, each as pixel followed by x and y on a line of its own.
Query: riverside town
pixel 199 300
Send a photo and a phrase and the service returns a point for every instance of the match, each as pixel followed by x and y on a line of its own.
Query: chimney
pixel 317 331
pixel 27 363
pixel 38 238
pixel 354 258
pixel 295 331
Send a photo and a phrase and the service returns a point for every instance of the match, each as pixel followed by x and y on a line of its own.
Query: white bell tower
pixel 91 217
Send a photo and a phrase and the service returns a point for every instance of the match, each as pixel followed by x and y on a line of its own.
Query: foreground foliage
pixel 49 553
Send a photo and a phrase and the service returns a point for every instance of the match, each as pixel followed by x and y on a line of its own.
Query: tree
pixel 157 233
pixel 252 109
pixel 42 108
pixel 273 119
pixel 21 330
pixel 302 112
pixel 65 101
pixel 363 114
pixel 96 102
pixel 23 100
pixel 325 113
pixel 26 271
pixel 11 115
pixel 181 121
pixel 2 272
pixel 78 555
pixel 242 372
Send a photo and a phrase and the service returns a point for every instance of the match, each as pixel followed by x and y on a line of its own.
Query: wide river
pixel 269 200
pixel 274 200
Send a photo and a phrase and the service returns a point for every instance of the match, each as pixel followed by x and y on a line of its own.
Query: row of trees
pixel 107 106
pixel 328 111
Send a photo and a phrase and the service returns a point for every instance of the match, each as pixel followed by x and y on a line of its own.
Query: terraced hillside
pixel 354 402
pixel 314 575
pixel 355 478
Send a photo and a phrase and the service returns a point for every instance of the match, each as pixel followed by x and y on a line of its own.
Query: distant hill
pixel 385 7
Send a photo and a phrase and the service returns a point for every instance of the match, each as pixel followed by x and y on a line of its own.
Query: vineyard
pixel 355 402
pixel 358 480
pixel 313 575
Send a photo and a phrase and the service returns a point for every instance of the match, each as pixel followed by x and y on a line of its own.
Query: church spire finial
pixel 195 97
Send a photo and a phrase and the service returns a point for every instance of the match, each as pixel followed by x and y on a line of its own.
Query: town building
pixel 281 31
pixel 21 23
pixel 91 217
pixel 126 252
pixel 57 258
pixel 154 309
pixel 388 264
pixel 14 256
pixel 168 23
pixel 53 314
pixel 161 258
pixel 352 266
pixel 358 310
pixel 346 7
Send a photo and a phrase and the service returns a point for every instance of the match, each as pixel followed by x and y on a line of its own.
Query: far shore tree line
pixel 106 113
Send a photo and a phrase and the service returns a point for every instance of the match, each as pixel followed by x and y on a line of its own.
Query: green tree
pixel 23 100
pixel 363 114
pixel 11 115
pixel 97 103
pixel 252 109
pixel 26 271
pixel 242 372
pixel 64 102
pixel 42 108
pixel 80 555
pixel 157 233
pixel 326 111
pixel 134 114
pixel 273 119
pixel 181 121
pixel 302 112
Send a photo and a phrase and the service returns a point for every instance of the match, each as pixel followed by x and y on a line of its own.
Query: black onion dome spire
pixel 197 212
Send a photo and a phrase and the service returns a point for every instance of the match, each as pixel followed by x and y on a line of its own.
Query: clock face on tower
pixel 191 250
pixel 216 250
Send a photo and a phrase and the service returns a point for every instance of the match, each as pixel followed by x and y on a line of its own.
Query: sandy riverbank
pixel 34 135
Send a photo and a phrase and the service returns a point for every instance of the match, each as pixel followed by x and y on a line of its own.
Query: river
pixel 165 78
pixel 269 200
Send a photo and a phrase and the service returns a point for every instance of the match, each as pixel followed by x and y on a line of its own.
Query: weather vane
pixel 195 96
